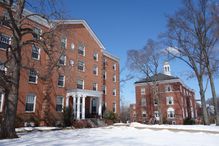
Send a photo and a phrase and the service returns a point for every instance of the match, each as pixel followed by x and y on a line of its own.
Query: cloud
pixel 171 50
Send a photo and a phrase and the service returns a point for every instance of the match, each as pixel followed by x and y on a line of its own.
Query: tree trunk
pixel 10 107
pixel 213 92
pixel 202 94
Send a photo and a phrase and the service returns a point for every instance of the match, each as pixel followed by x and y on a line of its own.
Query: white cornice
pixel 83 22
pixel 165 82
pixel 110 56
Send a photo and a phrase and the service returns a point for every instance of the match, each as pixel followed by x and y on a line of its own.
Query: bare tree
pixel 146 61
pixel 191 29
pixel 17 23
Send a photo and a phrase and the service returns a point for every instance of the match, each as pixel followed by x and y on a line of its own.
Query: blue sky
pixel 127 24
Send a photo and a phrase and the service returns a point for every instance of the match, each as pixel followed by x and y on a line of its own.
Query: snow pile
pixel 114 136
pixel 204 128
pixel 28 129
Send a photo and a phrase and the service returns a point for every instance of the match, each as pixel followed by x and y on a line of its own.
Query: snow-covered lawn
pixel 119 135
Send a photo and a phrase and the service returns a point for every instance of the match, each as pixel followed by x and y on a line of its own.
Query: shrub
pixel 188 121
pixel 109 115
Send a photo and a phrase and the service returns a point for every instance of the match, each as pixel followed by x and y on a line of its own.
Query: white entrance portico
pixel 79 97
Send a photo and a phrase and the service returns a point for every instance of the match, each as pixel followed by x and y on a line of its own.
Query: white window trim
pixel 62 104
pixel 114 66
pixel 105 74
pixel 167 100
pixel 38 54
pixel 64 38
pixel 114 78
pixel 2 101
pixel 36 78
pixel 83 66
pixel 95 53
pixel 114 91
pixel 142 91
pixel 63 81
pixel 83 50
pixel 82 84
pixel 170 110
pixel 34 104
pixel 96 86
pixel 96 69
pixel 64 59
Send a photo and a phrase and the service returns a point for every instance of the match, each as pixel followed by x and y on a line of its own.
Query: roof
pixel 83 22
pixel 110 56
pixel 160 77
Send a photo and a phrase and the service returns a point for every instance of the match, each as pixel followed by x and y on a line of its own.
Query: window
pixel 95 70
pixel 95 56
pixel 142 91
pixel 3 68
pixel 80 84
pixel 1 101
pixel 143 101
pixel 59 103
pixel 114 66
pixel 62 59
pixel 156 114
pixel 72 46
pixel 169 100
pixel 5 19
pixel 104 89
pixel 170 113
pixel 114 107
pixel 35 52
pixel 64 43
pixel 114 78
pixel 81 66
pixel 37 33
pixel 168 88
pixel 30 103
pixel 104 75
pixel 114 92
pixel 144 114
pixel 95 86
pixel 5 41
pixel 33 76
pixel 81 50
pixel 104 63
pixel 61 81
pixel 155 101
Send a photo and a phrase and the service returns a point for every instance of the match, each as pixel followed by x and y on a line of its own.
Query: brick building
pixel 177 101
pixel 132 113
pixel 86 81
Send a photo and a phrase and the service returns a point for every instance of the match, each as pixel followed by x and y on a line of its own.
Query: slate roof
pixel 160 77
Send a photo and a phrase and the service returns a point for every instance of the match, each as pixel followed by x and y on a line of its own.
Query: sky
pixel 122 25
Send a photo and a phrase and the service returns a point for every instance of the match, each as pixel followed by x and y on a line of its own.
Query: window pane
pixel 32 76
pixel 59 103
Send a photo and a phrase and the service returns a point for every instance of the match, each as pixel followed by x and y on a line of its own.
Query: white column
pixel 74 105
pixel 78 107
pixel 83 106
pixel 100 107
pixel 67 102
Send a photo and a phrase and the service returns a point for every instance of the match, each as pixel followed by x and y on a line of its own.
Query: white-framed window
pixel 64 43
pixel 104 63
pixel 30 103
pixel 72 47
pixel 143 101
pixel 104 89
pixel 169 100
pixel 144 114
pixel 35 52
pixel 95 70
pixel 168 88
pixel 114 107
pixel 114 66
pixel 81 50
pixel 95 56
pixel 80 84
pixel 3 68
pixel 170 112
pixel 61 81
pixel 33 76
pixel 114 92
pixel 1 101
pixel 5 18
pixel 62 59
pixel 95 86
pixel 104 75
pixel 59 103
pixel 142 91
pixel 37 33
pixel 81 66
pixel 155 101
pixel 114 78
pixel 156 114
pixel 5 41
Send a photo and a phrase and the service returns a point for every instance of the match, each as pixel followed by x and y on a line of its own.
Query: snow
pixel 119 135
